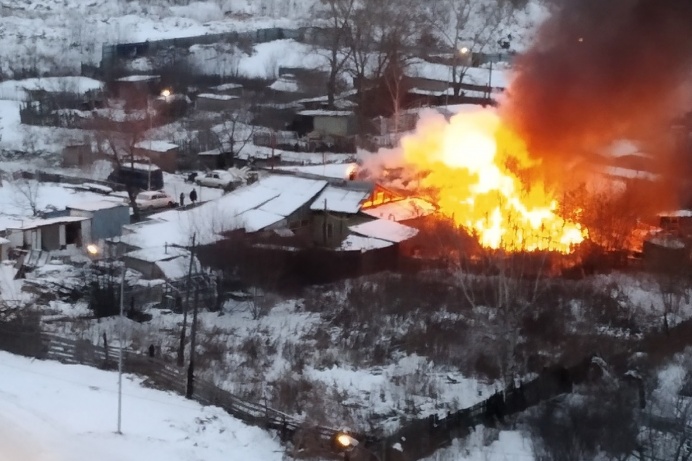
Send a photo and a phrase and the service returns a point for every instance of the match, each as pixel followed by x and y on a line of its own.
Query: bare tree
pixel 381 33
pixel 666 432
pixel 464 27
pixel 27 192
pixel 509 285
pixel 233 134
pixel 339 14
pixel 117 140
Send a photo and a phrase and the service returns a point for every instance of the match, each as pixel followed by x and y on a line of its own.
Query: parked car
pixel 152 199
pixel 218 178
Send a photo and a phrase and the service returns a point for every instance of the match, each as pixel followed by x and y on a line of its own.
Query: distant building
pixel 161 153
pixel 213 102
pixel 331 122
pixel 107 217
pixel 78 155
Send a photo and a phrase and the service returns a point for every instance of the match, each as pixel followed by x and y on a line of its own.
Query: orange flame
pixel 471 163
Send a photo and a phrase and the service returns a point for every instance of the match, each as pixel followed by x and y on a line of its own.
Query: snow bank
pixel 60 412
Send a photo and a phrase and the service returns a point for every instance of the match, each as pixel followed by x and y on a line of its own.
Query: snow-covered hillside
pixel 60 35
pixel 50 34
pixel 50 411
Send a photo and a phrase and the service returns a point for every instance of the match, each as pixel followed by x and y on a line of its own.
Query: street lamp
pixel 348 444
pixel 94 251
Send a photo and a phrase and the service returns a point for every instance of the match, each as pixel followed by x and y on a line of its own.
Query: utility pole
pixel 193 336
pixel 181 347
pixel 120 350
pixel 324 226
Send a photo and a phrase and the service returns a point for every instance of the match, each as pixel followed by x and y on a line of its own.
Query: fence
pixel 415 440
pixel 161 375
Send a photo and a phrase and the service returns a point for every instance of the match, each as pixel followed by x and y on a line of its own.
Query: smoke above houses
pixel 602 70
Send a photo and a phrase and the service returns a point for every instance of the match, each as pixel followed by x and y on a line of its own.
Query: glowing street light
pixel 348 444
pixel 464 50
pixel 93 249
pixel 166 93
pixel 346 441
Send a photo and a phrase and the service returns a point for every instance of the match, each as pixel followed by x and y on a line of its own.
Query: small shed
pixel 133 87
pixel 210 159
pixel 213 102
pixel 334 210
pixel 107 217
pixel 161 153
pixel 51 234
pixel 78 155
pixel 164 262
pixel 331 122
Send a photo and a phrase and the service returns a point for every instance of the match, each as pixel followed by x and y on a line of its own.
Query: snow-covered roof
pixel 252 207
pixel 178 267
pixel 227 86
pixel 97 205
pixel 325 113
pixel 139 166
pixel 33 224
pixel 402 210
pixel 667 241
pixel 287 85
pixel 256 220
pixel 158 253
pixel 156 146
pixel 358 243
pixel 629 174
pixel 4 241
pixel 291 193
pixel 138 78
pixel 385 230
pixel 676 214
pixel 211 152
pixel 340 200
pixel 330 170
pixel 221 97
pixel 624 147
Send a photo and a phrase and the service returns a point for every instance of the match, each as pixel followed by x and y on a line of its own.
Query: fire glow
pixel 469 165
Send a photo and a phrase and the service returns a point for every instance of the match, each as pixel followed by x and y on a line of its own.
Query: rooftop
pixel 222 97
pixel 340 200
pixel 33 224
pixel 97 205
pixel 402 210
pixel 325 113
pixel 160 253
pixel 156 146
pixel 383 229
pixel 138 78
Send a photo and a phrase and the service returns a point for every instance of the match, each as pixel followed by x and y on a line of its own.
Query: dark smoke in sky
pixel 600 70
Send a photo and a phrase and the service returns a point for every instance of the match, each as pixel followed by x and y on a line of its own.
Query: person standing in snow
pixel 193 196
pixel 182 199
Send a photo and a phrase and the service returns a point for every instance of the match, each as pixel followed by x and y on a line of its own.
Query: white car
pixel 151 199
pixel 217 178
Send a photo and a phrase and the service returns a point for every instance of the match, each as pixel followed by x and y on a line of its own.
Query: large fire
pixel 472 165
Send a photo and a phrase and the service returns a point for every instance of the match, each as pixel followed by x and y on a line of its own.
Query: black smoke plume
pixel 600 70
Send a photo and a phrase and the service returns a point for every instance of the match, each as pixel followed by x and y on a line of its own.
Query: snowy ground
pixel 55 412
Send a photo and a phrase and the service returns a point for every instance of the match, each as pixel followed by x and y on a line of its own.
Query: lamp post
pixel 94 251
